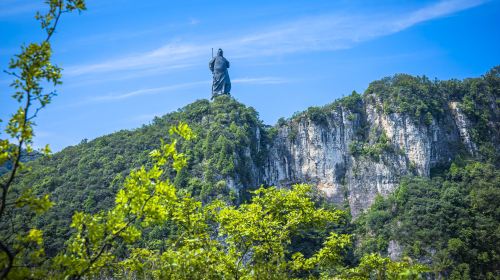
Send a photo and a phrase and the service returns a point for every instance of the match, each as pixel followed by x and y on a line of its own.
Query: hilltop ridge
pixel 353 150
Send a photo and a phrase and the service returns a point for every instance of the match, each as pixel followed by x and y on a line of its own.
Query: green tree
pixel 373 266
pixel 452 220
pixel 31 68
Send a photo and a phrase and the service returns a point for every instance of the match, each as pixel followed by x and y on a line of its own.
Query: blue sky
pixel 128 61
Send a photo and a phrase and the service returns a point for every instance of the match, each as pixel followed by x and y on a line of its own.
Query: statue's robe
pixel 221 83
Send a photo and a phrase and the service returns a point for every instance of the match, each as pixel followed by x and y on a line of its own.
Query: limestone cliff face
pixel 320 152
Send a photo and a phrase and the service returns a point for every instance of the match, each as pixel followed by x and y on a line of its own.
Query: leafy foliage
pixel 481 103
pixel 212 241
pixel 452 221
pixel 352 103
pixel 375 150
pixel 145 200
pixel 215 241
pixel 419 97
pixel 229 146
pixel 373 266
pixel 30 69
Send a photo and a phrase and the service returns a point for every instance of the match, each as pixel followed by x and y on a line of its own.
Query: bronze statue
pixel 221 83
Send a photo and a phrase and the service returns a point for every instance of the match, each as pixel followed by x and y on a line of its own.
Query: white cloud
pixel 149 91
pixel 170 88
pixel 43 134
pixel 194 21
pixel 437 10
pixel 159 70
pixel 169 55
pixel 320 33
pixel 16 7
pixel 260 81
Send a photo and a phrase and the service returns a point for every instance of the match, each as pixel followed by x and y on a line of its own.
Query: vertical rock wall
pixel 318 152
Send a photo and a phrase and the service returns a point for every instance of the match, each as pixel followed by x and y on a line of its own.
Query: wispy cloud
pixel 319 33
pixel 437 10
pixel 261 81
pixel 170 55
pixel 175 87
pixel 149 91
pixel 121 76
pixel 16 7
pixel 194 21
pixel 43 134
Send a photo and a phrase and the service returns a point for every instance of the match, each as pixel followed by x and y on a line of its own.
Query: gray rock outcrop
pixel 319 153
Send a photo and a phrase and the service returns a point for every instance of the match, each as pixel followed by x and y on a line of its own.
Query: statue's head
pixel 219 52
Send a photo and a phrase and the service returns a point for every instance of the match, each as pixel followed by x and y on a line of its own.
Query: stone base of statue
pixel 217 94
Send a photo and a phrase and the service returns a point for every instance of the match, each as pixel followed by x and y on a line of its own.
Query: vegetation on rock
pixel 450 221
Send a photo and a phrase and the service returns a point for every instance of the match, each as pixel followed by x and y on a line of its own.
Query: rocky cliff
pixel 361 146
pixel 321 153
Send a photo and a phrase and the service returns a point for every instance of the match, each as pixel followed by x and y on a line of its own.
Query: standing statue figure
pixel 221 83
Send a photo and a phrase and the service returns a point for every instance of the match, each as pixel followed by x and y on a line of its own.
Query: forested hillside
pixel 415 160
pixel 87 176
pixel 449 221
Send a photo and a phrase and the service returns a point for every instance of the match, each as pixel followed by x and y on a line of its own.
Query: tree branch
pixel 10 257
pixel 112 237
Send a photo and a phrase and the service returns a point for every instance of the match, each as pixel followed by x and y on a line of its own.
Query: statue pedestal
pixel 214 95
